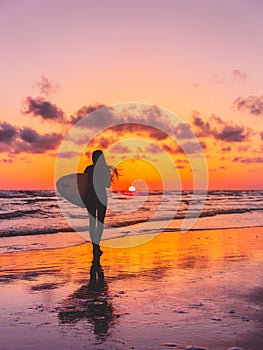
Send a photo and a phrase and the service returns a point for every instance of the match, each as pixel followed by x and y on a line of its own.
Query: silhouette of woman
pixel 99 177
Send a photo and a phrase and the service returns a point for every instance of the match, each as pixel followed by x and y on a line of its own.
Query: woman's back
pixel 99 177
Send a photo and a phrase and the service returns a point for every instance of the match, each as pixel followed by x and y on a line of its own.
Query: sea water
pixel 34 219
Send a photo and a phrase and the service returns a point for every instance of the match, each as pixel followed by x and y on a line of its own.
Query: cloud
pixel 29 135
pixel 120 149
pixel 204 128
pixel 14 140
pixel 84 112
pixel 130 118
pixel 219 129
pixel 40 107
pixel 156 134
pixel 226 149
pixel 6 160
pixel 36 143
pixel 239 74
pixel 183 131
pixel 261 135
pixel 68 154
pixel 231 133
pixel 153 149
pixel 46 87
pixel 248 160
pixel 190 147
pixel 251 104
pixel 143 121
pixel 104 142
pixel 7 132
pixel 171 150
pixel 139 129
pixel 98 142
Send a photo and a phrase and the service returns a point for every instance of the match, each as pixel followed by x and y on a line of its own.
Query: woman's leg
pixel 102 207
pixel 97 212
pixel 95 239
pixel 91 207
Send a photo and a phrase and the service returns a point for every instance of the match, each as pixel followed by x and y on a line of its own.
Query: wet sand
pixel 202 289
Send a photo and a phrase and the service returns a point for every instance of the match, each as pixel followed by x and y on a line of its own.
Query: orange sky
pixel 198 60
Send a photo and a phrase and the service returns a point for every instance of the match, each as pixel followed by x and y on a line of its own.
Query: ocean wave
pixel 37 200
pixel 229 211
pixel 226 220
pixel 18 213
pixel 45 231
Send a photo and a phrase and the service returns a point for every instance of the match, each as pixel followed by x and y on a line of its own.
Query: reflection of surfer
pixel 99 177
pixel 91 302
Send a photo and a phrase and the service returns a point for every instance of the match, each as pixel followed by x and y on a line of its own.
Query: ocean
pixel 34 219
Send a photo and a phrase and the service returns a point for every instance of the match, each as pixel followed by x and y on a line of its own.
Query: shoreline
pixel 203 288
pixel 61 239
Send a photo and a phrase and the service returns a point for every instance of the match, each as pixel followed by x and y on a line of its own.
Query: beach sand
pixel 201 288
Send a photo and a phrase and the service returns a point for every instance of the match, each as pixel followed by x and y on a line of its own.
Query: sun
pixel 132 189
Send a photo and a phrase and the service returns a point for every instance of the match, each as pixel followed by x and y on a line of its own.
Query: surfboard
pixel 73 188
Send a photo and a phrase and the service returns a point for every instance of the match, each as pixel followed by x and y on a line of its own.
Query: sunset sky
pixel 200 60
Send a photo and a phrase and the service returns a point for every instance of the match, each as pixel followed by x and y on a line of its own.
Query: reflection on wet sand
pixel 202 288
pixel 91 302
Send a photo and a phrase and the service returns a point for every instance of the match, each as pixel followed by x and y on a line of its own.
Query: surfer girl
pixel 99 178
